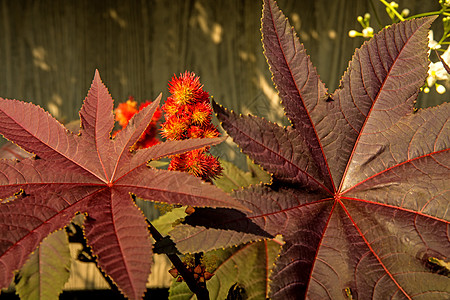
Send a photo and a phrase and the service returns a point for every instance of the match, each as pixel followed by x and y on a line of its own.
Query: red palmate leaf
pixel 90 173
pixel 360 182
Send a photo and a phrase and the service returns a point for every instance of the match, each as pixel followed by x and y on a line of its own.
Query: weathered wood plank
pixel 87 276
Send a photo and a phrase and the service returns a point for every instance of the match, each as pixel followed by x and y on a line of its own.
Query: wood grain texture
pixel 86 276
pixel 50 49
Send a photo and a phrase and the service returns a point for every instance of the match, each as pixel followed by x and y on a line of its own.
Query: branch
pixel 200 290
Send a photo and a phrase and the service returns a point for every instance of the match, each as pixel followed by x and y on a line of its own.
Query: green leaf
pixel 248 265
pixel 47 270
pixel 165 223
pixel 234 178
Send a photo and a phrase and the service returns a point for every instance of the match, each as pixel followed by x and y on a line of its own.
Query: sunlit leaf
pixel 47 270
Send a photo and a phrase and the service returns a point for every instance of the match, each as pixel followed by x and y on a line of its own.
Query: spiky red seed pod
pixel 188 115
pixel 170 107
pixel 177 163
pixel 195 167
pixel 212 165
pixel 210 131
pixel 175 127
pixel 195 132
pixel 186 88
pixel 201 114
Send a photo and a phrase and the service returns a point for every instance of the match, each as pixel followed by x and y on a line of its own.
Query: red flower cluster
pixel 125 111
pixel 188 114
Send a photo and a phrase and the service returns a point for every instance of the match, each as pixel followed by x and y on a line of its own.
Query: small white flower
pixel 446 56
pixel 367 32
pixel 437 70
pixel 405 12
pixel 393 4
pixel 432 44
pixel 352 33
pixel 440 89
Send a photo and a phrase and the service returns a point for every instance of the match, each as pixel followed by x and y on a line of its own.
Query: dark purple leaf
pixel 360 182
pixel 281 151
pixel 301 91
